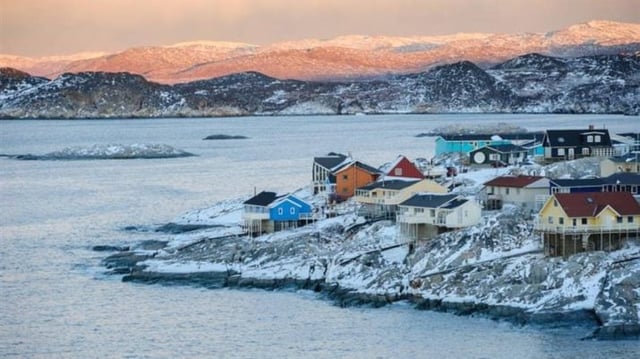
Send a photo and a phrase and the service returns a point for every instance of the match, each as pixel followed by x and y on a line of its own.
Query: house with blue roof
pixel 381 198
pixel 618 182
pixel 426 215
pixel 323 171
pixel 267 212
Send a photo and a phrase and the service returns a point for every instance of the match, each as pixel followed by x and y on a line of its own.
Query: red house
pixel 402 168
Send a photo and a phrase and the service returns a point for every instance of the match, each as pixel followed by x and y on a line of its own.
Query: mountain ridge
pixel 531 83
pixel 339 58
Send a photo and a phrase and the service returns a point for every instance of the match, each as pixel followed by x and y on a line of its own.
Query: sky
pixel 60 27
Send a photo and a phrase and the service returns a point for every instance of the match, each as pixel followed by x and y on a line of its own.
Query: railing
pixel 616 227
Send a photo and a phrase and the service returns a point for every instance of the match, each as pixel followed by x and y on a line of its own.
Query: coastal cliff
pixel 495 268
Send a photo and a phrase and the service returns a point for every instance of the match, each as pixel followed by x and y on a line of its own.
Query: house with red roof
pixel 571 223
pixel 528 192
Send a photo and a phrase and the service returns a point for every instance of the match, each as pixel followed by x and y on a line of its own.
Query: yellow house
pixel 381 198
pixel 570 223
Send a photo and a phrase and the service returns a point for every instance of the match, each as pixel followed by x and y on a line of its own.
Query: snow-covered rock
pixel 496 268
pixel 110 151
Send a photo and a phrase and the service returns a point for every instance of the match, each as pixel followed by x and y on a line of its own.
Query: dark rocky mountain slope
pixel 531 83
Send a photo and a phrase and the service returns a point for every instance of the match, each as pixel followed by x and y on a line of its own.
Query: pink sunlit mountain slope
pixel 344 57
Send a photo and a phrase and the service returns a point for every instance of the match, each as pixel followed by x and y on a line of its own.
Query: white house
pixel 528 192
pixel 425 215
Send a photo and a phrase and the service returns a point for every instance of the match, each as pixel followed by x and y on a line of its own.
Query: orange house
pixel 353 175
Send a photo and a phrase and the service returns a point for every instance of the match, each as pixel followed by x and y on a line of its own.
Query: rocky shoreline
pixel 597 290
pixel 346 297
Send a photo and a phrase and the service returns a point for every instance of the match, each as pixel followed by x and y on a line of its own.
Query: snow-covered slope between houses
pixel 495 268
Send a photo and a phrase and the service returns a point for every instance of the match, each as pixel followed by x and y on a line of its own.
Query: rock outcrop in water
pixel 495 269
pixel 110 152
pixel 528 84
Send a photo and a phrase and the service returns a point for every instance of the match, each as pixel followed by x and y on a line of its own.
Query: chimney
pixel 590 127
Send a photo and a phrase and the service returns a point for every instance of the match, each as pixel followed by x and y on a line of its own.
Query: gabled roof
pixel 591 204
pixel 262 199
pixel 455 203
pixel 573 138
pixel 291 199
pixel 360 165
pixel 428 200
pixel 513 181
pixel 390 184
pixel 391 165
pixel 331 162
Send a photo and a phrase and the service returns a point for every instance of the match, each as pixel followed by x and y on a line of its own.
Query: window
pixel 292 210
pixel 560 220
pixel 574 222
pixel 345 177
pixel 618 219
pixel 597 138
pixel 518 190
pixel 584 221
pixel 630 219
pixel 494 157
pixel 550 220
pixel 590 138
pixel 506 190
pixel 432 213
pixel 560 151
pixel 555 203
pixel 398 171
pixel 280 211
pixel 585 151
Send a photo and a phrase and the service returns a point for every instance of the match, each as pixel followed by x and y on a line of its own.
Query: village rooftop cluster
pixel 570 215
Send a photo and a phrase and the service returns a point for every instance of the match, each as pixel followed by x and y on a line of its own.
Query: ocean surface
pixel 56 301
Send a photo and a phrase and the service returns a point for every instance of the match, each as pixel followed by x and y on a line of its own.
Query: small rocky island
pixel 225 137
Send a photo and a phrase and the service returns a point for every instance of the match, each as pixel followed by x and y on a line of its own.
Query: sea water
pixel 56 301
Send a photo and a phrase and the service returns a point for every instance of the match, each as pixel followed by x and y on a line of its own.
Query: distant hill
pixel 342 58
pixel 532 83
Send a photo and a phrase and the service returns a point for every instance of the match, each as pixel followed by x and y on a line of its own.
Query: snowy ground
pixel 498 262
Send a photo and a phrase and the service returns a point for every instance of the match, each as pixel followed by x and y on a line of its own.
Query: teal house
pixel 466 143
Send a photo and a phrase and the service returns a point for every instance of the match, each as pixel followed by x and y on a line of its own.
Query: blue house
pixel 267 212
pixel 469 142
pixel 289 212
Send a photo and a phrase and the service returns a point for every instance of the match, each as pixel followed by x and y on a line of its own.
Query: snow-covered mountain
pixel 340 58
pixel 531 83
